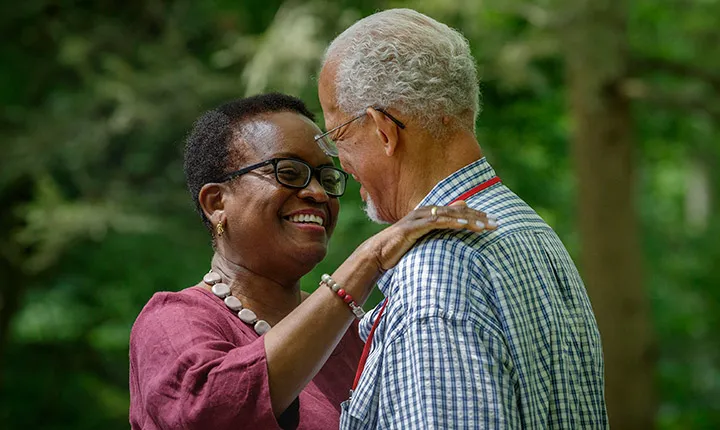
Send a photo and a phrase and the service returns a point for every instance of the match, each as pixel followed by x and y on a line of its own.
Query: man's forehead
pixel 329 68
pixel 326 87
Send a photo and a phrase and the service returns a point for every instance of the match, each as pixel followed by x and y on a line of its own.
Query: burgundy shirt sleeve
pixel 187 371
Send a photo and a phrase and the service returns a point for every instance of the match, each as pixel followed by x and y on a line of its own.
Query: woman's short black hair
pixel 207 149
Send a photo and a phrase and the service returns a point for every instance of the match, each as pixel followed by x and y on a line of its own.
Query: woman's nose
pixel 314 191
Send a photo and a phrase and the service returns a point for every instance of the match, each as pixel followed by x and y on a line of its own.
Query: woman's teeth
pixel 307 218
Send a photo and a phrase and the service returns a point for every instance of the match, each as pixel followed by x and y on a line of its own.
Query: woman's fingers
pixel 390 244
pixel 459 216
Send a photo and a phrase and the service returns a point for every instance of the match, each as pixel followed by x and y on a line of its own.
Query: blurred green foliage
pixel 97 98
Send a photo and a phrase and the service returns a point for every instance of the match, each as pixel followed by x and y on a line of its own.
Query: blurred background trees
pixel 602 115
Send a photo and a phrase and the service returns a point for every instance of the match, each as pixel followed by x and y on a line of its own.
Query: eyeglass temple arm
pixel 320 136
pixel 392 118
pixel 235 174
pixel 379 109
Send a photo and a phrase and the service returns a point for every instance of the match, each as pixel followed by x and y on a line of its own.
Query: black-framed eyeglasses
pixel 294 173
pixel 328 145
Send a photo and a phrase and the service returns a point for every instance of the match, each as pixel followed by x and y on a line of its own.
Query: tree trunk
pixel 9 306
pixel 595 47
pixel 13 280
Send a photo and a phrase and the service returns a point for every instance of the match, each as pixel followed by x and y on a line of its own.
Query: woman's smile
pixel 310 220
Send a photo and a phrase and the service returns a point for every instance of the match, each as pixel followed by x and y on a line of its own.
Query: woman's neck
pixel 271 299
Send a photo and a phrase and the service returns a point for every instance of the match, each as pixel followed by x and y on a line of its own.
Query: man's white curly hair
pixel 402 59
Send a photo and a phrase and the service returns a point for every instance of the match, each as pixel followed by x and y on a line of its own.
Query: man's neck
pixel 440 160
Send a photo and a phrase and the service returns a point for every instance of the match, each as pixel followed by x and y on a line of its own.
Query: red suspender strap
pixel 368 345
pixel 472 191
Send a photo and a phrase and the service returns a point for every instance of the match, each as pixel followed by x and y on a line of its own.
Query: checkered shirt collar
pixel 462 180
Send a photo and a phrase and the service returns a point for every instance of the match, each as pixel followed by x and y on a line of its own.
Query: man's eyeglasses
pixel 294 173
pixel 328 145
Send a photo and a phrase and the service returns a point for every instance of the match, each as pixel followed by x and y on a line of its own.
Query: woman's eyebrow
pixel 286 155
pixel 297 157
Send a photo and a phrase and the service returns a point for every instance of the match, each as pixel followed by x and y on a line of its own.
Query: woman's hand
pixel 391 244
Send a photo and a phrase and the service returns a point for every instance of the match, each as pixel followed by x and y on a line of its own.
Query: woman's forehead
pixel 270 135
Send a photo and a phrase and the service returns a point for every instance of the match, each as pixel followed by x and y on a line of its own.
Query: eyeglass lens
pixel 296 174
pixel 327 145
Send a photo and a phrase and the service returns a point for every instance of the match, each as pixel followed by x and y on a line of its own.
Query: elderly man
pixel 491 330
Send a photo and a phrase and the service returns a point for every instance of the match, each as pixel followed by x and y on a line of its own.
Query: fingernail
pixel 480 224
pixel 462 221
pixel 492 223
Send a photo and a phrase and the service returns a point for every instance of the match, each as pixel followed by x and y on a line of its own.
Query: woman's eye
pixel 289 173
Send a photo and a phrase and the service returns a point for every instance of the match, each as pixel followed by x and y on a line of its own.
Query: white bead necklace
pixel 222 291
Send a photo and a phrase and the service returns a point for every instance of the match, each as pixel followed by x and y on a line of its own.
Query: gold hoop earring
pixel 219 229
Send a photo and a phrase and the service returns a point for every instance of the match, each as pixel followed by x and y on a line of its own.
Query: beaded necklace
pixel 222 291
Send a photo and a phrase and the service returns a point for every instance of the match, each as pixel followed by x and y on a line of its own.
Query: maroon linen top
pixel 195 365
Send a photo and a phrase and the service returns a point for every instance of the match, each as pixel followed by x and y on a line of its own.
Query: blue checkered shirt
pixel 482 331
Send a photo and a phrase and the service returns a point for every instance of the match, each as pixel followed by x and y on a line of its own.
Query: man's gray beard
pixel 372 212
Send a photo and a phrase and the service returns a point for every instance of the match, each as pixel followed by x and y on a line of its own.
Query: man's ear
pixel 387 131
pixel 211 199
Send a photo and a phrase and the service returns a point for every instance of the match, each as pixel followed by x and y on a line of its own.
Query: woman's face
pixel 264 228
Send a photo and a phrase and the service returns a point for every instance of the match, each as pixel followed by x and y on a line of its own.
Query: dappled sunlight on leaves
pixel 97 99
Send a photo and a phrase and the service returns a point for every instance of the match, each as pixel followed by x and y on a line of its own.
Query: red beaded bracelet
pixel 327 281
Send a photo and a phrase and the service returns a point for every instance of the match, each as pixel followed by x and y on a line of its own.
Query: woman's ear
pixel 212 203
pixel 387 131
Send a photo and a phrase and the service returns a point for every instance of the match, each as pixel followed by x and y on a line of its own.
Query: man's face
pixel 359 149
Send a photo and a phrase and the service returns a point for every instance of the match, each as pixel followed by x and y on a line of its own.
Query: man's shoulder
pixel 443 251
pixel 438 277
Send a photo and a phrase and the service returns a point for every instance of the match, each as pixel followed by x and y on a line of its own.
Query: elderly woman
pixel 243 348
